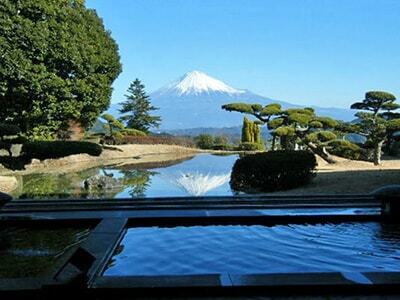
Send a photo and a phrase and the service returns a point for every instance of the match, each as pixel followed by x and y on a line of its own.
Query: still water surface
pixel 204 174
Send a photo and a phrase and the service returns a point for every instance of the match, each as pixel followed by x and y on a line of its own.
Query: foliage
pixel 262 113
pixel 57 63
pixel 273 171
pixel 56 149
pixel 132 132
pixel 7 130
pixel 137 108
pixel 251 132
pixel 204 141
pixel 321 136
pixel 112 124
pixel 221 140
pixel 379 122
pixel 249 146
pixel 344 149
pixel 222 143
pixel 293 126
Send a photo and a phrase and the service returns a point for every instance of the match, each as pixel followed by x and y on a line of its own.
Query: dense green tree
pixel 204 141
pixel 137 109
pixel 57 64
pixel 221 140
pixel 376 120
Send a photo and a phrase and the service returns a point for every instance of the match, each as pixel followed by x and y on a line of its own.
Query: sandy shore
pixel 115 155
pixel 350 177
pixel 345 177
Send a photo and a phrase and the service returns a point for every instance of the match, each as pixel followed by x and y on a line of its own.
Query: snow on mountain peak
pixel 196 82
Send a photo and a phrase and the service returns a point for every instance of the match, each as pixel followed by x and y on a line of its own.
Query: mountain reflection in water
pixel 198 184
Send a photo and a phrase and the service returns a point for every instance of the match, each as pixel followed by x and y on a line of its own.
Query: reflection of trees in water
pixel 71 185
pixel 117 252
pixel 68 185
pixel 38 186
pixel 388 234
pixel 137 181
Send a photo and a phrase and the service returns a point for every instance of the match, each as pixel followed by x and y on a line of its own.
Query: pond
pixel 204 174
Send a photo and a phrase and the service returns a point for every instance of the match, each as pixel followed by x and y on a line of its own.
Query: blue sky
pixel 314 52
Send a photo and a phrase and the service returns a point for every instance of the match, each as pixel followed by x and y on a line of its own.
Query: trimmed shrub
pixel 118 135
pixel 56 149
pixel 251 147
pixel 273 171
pixel 132 132
pixel 344 149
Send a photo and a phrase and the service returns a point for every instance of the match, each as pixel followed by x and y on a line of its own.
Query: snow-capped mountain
pixel 195 83
pixel 195 100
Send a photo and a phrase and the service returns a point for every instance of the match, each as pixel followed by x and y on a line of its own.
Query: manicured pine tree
pixel 379 121
pixel 137 108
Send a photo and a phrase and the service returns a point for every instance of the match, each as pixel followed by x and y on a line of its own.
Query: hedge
pixel 8 130
pixel 273 171
pixel 57 149
pixel 156 140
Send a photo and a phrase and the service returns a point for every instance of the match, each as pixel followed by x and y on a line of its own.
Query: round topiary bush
pixel 273 171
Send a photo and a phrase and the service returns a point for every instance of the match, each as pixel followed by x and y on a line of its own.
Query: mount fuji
pixel 195 100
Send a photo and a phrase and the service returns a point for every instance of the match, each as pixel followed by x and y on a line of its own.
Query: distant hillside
pixel 233 133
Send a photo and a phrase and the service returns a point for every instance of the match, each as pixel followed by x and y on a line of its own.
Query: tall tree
pixel 379 120
pixel 137 109
pixel 251 132
pixel 57 64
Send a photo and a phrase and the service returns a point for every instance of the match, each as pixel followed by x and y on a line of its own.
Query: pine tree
pixel 379 121
pixel 137 108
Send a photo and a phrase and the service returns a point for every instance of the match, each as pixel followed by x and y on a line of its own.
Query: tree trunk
pixel 288 142
pixel 321 152
pixel 273 142
pixel 378 153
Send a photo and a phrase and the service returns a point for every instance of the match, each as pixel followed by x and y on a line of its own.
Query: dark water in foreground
pixel 27 252
pixel 350 247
